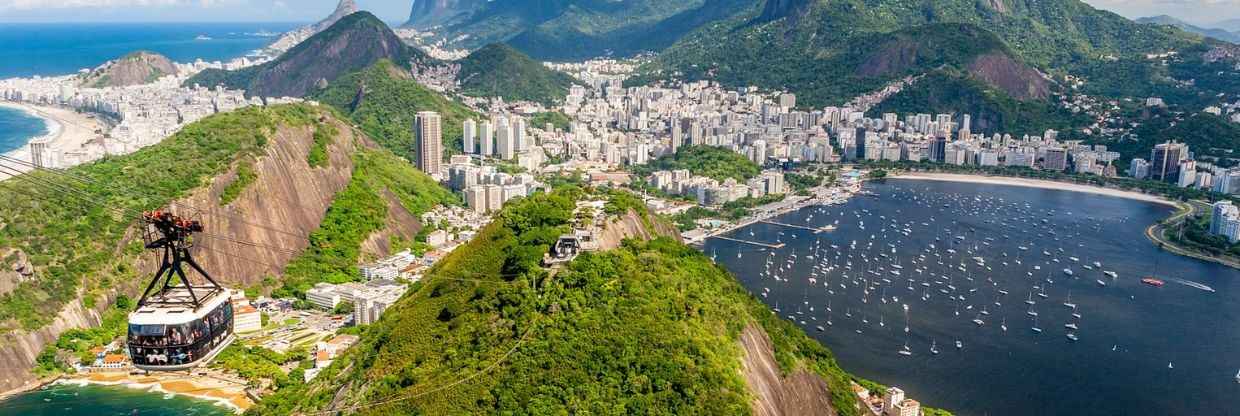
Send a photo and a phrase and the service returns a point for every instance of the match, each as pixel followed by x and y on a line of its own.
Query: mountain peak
pixel 135 68
pixel 345 8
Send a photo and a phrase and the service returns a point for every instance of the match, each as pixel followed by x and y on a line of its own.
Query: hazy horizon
pixel 1204 13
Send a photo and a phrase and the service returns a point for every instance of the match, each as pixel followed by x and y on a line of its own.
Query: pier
pixel 816 230
pixel 760 244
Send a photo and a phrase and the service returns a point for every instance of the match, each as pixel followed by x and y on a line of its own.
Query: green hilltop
pixel 651 327
pixel 498 70
pixel 383 99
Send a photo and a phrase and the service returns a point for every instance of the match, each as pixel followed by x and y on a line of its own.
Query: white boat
pixel 1101 283
pixel 1067 272
pixel 934 349
pixel 1072 337
pixel 959 344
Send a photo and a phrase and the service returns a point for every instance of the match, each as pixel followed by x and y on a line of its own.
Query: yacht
pixel 1073 337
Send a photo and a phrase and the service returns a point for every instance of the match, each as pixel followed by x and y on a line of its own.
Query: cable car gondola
pixel 181 324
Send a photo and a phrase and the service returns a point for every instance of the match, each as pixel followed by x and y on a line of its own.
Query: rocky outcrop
pixel 633 225
pixel 430 13
pixel 286 202
pixel 799 393
pixel 345 8
pixel 18 352
pixel 137 68
pixel 778 9
pixel 400 223
pixel 1005 73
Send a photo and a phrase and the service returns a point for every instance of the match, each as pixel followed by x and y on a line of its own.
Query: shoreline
pixel 1036 183
pixel 67 130
pixel 219 393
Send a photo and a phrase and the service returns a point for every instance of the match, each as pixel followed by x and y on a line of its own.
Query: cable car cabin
pixel 169 334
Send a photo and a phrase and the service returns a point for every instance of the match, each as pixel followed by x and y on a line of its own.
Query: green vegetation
pixel 555 118
pixel 498 70
pixel 576 30
pixel 462 324
pixel 324 134
pixel 713 162
pixel 386 110
pixel 75 242
pixel 1206 134
pixel 245 177
pixel 256 364
pixel 356 212
pixel 79 341
pixel 508 339
pixel 799 182
pixel 1194 233
pixel 992 110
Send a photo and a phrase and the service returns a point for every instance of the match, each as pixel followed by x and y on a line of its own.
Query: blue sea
pixel 914 265
pixel 29 49
pixel 72 400
pixel 17 127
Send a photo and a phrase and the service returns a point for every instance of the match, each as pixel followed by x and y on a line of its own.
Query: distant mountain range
pixel 570 29
pixel 1214 32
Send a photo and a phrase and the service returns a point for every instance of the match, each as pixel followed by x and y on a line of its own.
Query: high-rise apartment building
pixel 428 140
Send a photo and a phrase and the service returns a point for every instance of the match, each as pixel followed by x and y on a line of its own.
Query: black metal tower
pixel 173 234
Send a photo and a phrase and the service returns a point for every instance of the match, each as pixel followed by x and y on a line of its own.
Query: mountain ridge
pixel 1216 33
pixel 350 44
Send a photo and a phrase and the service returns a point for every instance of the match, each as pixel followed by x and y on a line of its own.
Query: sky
pixel 1201 12
pixel 190 10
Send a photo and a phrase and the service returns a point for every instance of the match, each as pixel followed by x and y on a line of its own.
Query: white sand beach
pixel 68 130
pixel 227 394
pixel 1035 183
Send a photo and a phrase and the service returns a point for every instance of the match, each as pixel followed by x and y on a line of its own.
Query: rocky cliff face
pixel 137 68
pixel 799 393
pixel 287 201
pixel 1017 79
pixel 285 204
pixel 632 225
pixel 429 13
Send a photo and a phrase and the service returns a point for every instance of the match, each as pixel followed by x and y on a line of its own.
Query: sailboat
pixel 1003 325
pixel 1035 325
pixel 906 351
pixel 934 349
pixel 1068 302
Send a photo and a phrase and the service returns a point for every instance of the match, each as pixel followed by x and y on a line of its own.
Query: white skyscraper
pixel 486 138
pixel 428 142
pixel 759 152
pixel 470 136
pixel 518 130
pixel 505 139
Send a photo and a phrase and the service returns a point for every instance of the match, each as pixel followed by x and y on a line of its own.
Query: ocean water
pixel 28 49
pixel 1142 350
pixel 18 127
pixel 94 400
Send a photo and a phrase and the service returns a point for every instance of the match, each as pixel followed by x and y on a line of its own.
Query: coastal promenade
pixel 821 196
pixel 1156 232
pixel 69 132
